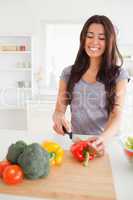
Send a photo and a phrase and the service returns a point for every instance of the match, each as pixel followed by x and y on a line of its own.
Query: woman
pixel 94 85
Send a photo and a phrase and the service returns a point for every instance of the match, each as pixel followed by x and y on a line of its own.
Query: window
pixel 60 46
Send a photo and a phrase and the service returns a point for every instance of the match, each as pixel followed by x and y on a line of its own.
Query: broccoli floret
pixel 34 161
pixel 15 150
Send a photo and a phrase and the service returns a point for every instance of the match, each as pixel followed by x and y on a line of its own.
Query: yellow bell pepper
pixel 55 151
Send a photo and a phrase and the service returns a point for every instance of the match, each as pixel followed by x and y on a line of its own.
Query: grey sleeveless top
pixel 88 112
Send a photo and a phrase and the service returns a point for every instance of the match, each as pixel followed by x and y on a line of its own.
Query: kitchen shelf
pixel 15 69
pixel 24 88
pixel 3 107
pixel 15 52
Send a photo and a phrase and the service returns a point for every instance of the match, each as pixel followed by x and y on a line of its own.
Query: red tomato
pixel 129 153
pixel 13 174
pixel 3 165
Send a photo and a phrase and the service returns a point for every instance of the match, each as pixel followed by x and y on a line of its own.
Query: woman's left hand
pixel 98 143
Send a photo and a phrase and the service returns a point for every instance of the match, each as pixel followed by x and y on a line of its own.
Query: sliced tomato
pixel 3 165
pixel 13 174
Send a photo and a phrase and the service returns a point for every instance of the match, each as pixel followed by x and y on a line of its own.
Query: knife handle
pixel 66 132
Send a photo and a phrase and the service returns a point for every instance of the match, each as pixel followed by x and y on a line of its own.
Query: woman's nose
pixel 95 40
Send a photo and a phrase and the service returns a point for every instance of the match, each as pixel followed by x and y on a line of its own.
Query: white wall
pixel 24 16
pixel 15 17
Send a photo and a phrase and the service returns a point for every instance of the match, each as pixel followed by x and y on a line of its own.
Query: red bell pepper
pixel 83 151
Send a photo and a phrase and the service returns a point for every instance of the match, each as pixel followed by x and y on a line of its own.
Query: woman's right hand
pixel 60 120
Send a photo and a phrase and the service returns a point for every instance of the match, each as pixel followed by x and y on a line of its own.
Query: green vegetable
pixel 15 150
pixel 129 142
pixel 34 161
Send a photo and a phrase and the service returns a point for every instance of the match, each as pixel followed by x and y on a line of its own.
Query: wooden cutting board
pixel 70 180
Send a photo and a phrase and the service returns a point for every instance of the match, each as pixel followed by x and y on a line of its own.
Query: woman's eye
pixel 101 38
pixel 89 36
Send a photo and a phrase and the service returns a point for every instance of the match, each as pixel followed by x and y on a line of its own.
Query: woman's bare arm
pixel 59 118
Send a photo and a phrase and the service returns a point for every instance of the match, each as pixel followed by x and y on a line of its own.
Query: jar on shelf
pixel 22 48
pixel 20 84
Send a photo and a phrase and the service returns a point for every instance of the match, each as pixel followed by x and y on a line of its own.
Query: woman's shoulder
pixel 67 70
pixel 123 74
pixel 66 73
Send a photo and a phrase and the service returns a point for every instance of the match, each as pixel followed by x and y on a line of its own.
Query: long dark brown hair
pixel 109 69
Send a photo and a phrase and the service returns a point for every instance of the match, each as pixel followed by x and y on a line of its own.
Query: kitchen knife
pixel 66 132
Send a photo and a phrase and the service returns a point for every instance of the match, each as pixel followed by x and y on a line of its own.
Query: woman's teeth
pixel 93 49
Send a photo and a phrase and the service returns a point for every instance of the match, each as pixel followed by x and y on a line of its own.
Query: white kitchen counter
pixel 122 170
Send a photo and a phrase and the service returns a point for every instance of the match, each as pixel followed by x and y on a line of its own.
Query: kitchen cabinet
pixel 126 126
pixel 15 71
pixel 39 119
pixel 39 116
pixel 126 51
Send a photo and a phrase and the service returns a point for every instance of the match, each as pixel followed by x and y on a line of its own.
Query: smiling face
pixel 95 41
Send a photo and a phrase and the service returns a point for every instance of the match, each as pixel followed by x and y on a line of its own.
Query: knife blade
pixel 66 132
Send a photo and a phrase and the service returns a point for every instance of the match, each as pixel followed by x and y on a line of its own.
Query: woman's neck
pixel 94 64
pixel 91 74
